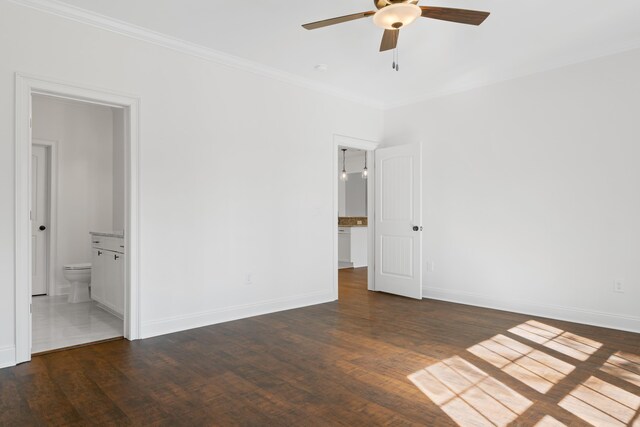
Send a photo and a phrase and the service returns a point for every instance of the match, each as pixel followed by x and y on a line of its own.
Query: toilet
pixel 79 275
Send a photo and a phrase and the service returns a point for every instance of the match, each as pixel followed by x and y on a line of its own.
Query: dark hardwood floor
pixel 368 359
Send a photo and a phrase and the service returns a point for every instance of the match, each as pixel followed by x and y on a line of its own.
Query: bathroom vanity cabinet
pixel 107 271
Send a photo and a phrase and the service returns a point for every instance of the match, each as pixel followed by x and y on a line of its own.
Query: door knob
pixel 42 228
pixel 416 228
pixel 115 257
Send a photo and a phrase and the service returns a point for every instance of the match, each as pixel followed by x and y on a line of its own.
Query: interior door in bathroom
pixel 39 219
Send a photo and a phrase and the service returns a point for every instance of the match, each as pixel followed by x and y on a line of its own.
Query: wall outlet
pixel 248 280
pixel 618 286
pixel 430 266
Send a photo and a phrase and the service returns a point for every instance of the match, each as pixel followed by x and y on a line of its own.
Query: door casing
pixel 26 86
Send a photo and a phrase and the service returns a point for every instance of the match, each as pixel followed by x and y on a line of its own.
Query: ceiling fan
pixel 395 14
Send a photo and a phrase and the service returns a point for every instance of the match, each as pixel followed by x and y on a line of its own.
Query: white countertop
pixel 108 233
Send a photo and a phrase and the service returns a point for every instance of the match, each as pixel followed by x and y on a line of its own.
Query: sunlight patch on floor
pixel 572 345
pixel 625 366
pixel 535 368
pixel 468 395
pixel 600 403
pixel 471 397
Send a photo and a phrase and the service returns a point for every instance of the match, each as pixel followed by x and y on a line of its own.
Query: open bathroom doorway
pixel 77 209
pixel 78 148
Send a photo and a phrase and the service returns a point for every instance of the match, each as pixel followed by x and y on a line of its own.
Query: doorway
pixel 26 88
pixel 354 208
pixel 353 220
pixel 394 216
pixel 70 305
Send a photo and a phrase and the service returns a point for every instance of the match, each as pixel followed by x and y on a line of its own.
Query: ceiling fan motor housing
pixel 382 3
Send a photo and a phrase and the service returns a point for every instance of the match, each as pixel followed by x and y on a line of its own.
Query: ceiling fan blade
pixel 462 16
pixel 338 20
pixel 389 40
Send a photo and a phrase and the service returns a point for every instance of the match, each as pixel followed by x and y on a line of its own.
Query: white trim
pixel 357 143
pixel 26 86
pixel 570 314
pixel 139 33
pixel 97 20
pixel 226 314
pixel 7 356
pixel 369 147
pixel 52 146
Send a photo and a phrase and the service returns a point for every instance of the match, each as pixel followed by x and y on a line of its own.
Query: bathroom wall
pixel 118 169
pixel 84 137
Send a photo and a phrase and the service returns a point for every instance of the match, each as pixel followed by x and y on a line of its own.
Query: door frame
pixel 369 147
pixel 26 86
pixel 51 148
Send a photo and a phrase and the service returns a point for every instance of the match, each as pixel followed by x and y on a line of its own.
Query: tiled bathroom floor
pixel 57 323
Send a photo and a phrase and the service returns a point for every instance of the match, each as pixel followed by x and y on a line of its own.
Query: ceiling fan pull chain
pixel 395 59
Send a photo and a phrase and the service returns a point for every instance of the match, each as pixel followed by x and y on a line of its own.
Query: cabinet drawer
pixel 115 244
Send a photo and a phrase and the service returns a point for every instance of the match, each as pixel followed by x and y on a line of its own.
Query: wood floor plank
pixel 349 362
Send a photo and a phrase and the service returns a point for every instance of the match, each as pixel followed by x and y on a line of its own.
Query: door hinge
pixel 30 122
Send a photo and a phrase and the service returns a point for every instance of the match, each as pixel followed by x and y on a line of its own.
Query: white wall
pixel 84 136
pixel 532 192
pixel 356 195
pixel 218 200
pixel 342 194
pixel 354 163
pixel 118 169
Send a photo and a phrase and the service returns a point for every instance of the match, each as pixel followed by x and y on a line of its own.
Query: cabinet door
pixel 97 275
pixel 344 247
pixel 110 277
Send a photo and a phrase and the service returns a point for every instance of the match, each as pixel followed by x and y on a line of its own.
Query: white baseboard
pixel 570 314
pixel 226 314
pixel 62 289
pixel 7 356
pixel 108 310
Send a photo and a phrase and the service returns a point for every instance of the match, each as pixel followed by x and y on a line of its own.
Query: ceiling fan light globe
pixel 398 13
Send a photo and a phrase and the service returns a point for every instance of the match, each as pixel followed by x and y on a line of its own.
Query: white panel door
pixel 398 213
pixel 39 220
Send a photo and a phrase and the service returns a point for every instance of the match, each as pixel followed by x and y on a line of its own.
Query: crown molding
pixel 542 68
pixel 97 20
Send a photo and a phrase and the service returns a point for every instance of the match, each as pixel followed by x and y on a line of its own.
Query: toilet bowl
pixel 79 275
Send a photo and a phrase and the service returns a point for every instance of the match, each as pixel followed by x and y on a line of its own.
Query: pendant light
pixel 343 175
pixel 365 172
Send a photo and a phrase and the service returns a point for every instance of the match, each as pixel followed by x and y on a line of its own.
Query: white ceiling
pixel 436 57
